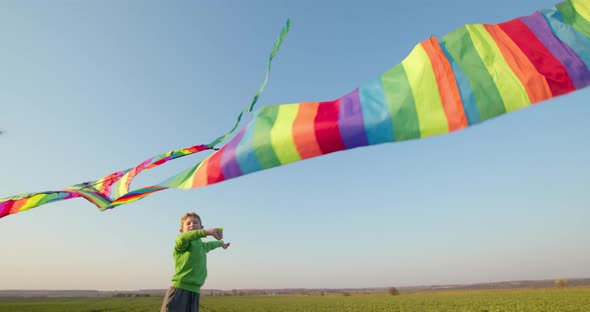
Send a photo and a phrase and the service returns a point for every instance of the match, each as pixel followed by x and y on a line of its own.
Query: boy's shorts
pixel 180 300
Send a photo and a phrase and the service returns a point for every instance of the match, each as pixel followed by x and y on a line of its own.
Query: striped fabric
pixel 101 193
pixel 472 74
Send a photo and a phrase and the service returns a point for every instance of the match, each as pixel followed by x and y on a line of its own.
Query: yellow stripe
pixel 129 200
pixel 197 178
pixel 511 89
pixel 429 108
pixel 98 185
pixel 281 134
pixel 582 7
pixel 122 188
pixel 32 202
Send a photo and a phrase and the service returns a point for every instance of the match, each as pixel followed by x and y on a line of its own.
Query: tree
pixel 562 282
pixel 393 291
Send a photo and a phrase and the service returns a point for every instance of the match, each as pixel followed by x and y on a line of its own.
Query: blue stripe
pixel 245 152
pixel 376 114
pixel 467 97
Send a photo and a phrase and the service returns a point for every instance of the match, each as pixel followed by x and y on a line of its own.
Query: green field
pixel 570 299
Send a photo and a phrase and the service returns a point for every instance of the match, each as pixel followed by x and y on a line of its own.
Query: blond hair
pixel 189 215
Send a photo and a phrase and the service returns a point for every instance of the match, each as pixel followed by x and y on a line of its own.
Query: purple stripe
pixel 350 121
pixel 229 163
pixel 576 68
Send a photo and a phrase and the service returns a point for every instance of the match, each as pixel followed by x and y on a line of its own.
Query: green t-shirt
pixel 190 260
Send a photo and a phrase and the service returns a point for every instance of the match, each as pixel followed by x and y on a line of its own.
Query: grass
pixel 562 300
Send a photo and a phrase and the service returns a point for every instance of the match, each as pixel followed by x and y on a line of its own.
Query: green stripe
pixel 399 98
pixel 37 200
pixel 511 89
pixel 262 143
pixel 582 7
pixel 572 17
pixel 422 80
pixel 181 178
pixel 487 98
pixel 98 200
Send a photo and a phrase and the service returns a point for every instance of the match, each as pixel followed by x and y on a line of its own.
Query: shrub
pixel 562 282
pixel 393 291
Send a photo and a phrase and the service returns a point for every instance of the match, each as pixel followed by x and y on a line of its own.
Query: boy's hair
pixel 189 215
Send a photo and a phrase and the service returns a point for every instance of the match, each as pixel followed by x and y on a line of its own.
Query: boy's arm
pixel 184 239
pixel 212 245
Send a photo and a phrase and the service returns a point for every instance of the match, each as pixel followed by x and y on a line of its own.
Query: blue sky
pixel 93 87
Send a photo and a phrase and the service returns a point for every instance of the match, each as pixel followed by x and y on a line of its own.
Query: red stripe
pixel 546 64
pixel 214 173
pixel 196 148
pixel 5 209
pixel 159 162
pixel 326 127
pixel 143 192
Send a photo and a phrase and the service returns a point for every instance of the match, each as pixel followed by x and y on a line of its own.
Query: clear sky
pixel 93 87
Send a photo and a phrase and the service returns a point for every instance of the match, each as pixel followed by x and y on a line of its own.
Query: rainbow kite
pixel 472 74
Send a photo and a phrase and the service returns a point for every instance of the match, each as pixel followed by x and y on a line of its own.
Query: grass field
pixel 562 300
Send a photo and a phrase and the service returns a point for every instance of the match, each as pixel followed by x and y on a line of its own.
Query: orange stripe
pixel 534 83
pixel 17 205
pixel 127 200
pixel 447 85
pixel 200 176
pixel 304 130
pixel 137 197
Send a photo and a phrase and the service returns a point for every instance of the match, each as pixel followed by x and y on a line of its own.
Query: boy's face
pixel 191 224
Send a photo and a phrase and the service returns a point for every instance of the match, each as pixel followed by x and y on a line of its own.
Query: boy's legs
pixel 180 300
pixel 196 302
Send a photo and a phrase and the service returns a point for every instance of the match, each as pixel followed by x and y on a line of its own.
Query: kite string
pixel 274 51
pixel 211 146
pixel 104 185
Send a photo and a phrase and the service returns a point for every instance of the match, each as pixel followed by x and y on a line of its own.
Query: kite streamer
pixel 470 75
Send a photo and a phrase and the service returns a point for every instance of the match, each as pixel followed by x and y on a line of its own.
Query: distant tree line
pixel 130 295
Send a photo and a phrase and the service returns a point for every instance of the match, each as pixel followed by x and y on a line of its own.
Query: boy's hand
pixel 224 245
pixel 217 233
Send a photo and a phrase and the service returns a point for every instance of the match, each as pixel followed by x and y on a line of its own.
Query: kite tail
pixel 102 192
pixel 113 190
pixel 473 74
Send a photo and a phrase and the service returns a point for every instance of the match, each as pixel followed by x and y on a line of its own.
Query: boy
pixel 190 264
